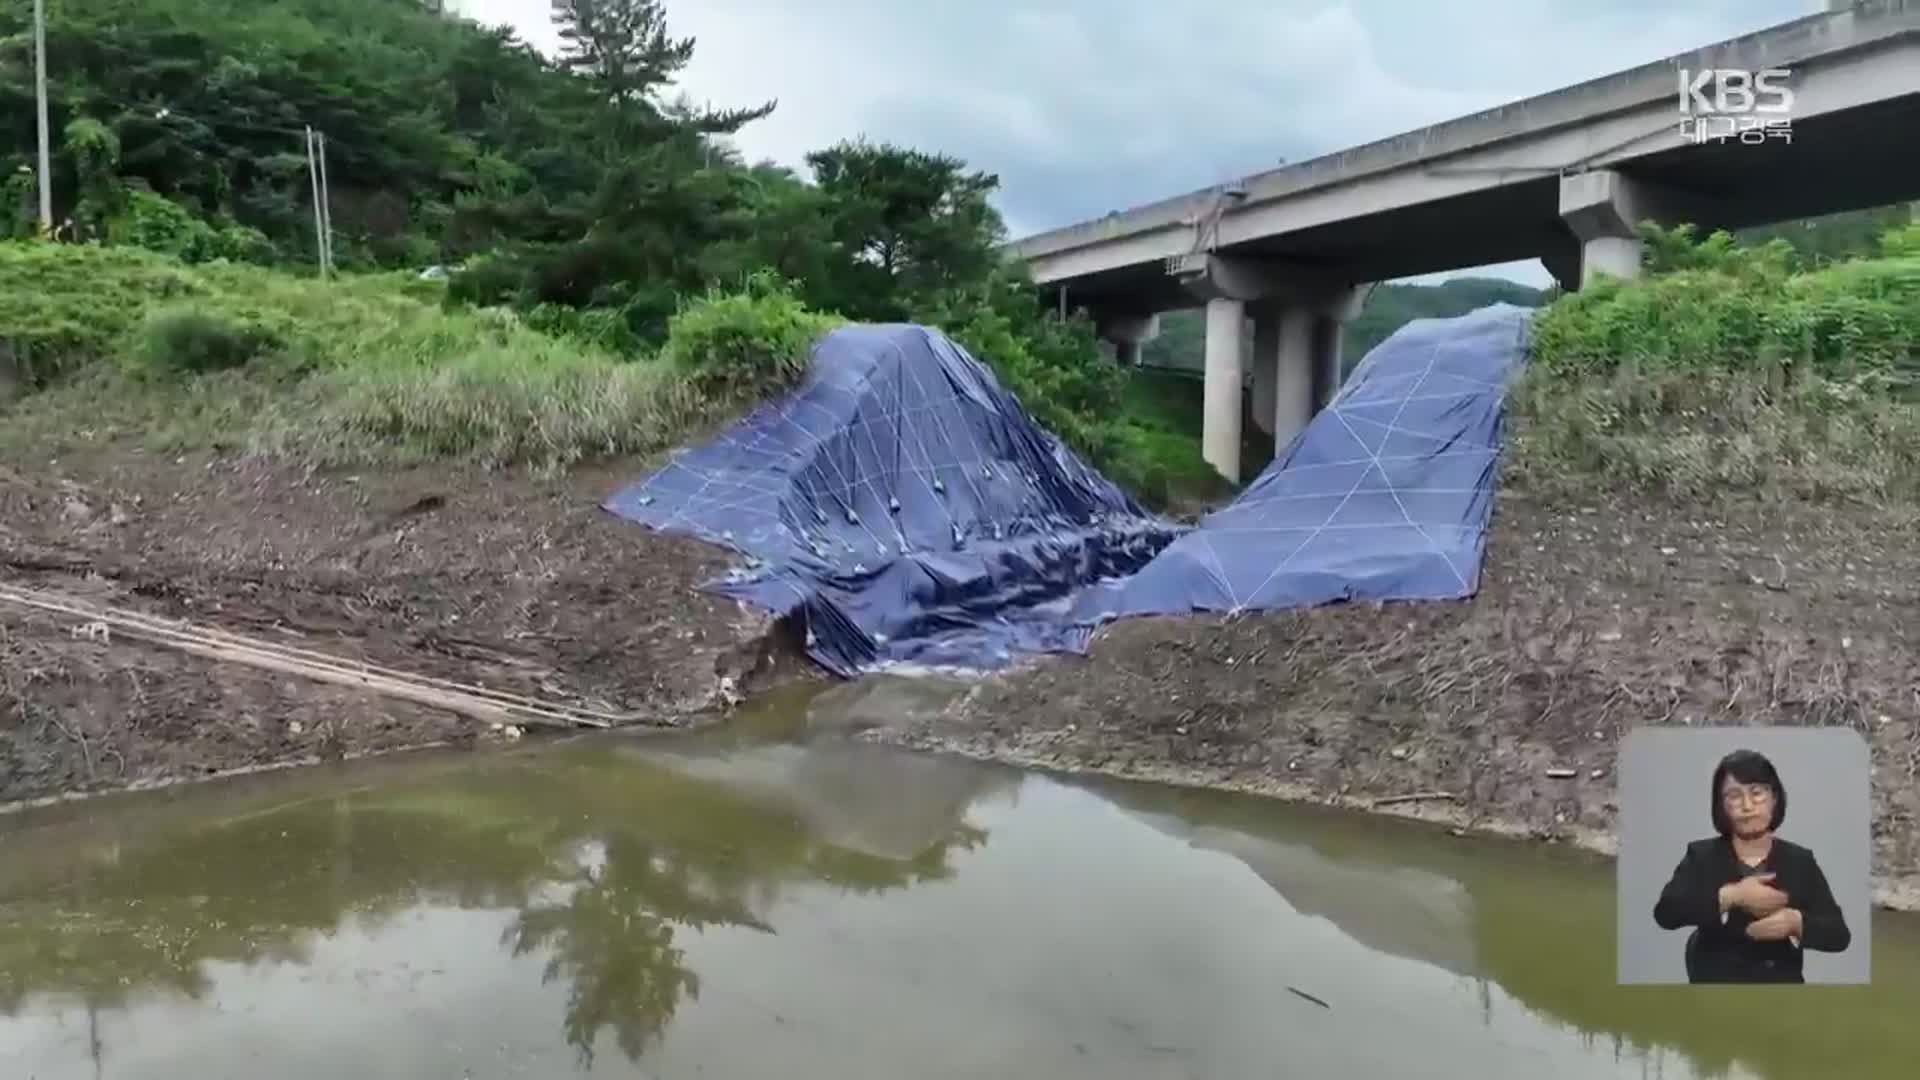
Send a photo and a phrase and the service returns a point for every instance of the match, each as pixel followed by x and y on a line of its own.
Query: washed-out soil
pixel 1506 712
pixel 1503 712
pixel 509 580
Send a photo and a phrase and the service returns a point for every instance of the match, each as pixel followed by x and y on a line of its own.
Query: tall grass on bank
pixel 120 343
pixel 1728 371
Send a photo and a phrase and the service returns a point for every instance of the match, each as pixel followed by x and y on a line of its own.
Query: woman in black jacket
pixel 1754 901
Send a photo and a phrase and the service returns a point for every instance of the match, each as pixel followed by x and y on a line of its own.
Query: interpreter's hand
pixel 1756 894
pixel 1778 926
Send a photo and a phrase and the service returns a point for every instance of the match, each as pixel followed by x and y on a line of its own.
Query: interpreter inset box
pixel 1745 856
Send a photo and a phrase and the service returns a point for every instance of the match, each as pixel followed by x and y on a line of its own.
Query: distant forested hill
pixel 1182 337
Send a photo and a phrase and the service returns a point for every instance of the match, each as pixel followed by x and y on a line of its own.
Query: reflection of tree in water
pixel 604 860
pixel 255 888
pixel 612 938
pixel 617 954
pixel 712 860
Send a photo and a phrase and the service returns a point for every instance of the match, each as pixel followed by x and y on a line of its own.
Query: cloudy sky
pixel 1086 106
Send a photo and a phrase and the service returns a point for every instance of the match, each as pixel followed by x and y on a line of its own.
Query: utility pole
pixel 326 202
pixel 319 213
pixel 40 106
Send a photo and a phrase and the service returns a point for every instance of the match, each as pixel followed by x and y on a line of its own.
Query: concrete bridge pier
pixel 1296 362
pixel 1221 395
pixel 1126 332
pixel 1328 330
pixel 1285 368
pixel 1297 315
pixel 1266 342
pixel 1604 209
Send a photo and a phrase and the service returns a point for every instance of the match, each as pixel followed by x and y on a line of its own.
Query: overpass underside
pixel 1565 178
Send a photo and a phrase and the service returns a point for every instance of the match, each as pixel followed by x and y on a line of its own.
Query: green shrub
pixel 1903 241
pixel 1163 468
pixel 1738 309
pixel 1727 372
pixel 1667 250
pixel 1054 366
pixel 752 341
pixel 363 367
pixel 1698 435
pixel 64 306
pixel 486 281
pixel 347 370
pixel 159 224
pixel 547 416
pixel 239 243
pixel 19 220
pixel 190 341
pixel 606 328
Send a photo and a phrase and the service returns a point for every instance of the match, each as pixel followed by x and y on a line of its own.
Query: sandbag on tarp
pixel 904 507
pixel 1386 495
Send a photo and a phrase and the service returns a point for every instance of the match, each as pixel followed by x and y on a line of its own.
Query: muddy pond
pixel 775 899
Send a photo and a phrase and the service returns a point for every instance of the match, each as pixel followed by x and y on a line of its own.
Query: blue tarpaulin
pixel 1386 495
pixel 903 507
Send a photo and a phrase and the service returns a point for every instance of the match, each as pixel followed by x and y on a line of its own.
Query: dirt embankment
pixel 503 580
pixel 1591 620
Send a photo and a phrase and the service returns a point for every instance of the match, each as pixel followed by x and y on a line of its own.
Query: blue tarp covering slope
pixel 904 506
pixel 1386 495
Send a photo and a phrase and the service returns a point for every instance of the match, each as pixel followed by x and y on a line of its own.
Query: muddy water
pixel 750 904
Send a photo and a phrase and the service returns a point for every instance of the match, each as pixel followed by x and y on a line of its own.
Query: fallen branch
pixel 1302 993
pixel 467 700
pixel 1418 796
pixel 78 736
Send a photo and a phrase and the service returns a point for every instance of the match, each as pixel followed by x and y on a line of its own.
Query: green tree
pixel 96 158
pixel 623 48
pixel 1830 238
pixel 910 225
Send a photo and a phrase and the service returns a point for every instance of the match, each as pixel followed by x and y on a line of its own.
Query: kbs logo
pixel 1717 104
pixel 1735 91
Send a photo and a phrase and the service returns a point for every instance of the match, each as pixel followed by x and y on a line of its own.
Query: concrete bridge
pixel 1563 177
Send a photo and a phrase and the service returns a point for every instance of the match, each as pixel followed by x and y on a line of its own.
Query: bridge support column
pixel 1298 312
pixel 1604 209
pixel 1127 333
pixel 1220 433
pixel 1266 344
pixel 1327 332
pixel 1296 364
pixel 1285 369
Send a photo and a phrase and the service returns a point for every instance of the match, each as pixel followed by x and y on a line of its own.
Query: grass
pixel 1725 371
pixel 1712 433
pixel 121 343
pixel 1729 373
pixel 1159 434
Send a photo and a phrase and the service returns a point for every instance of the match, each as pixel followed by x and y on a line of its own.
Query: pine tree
pixel 622 45
pixel 624 48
